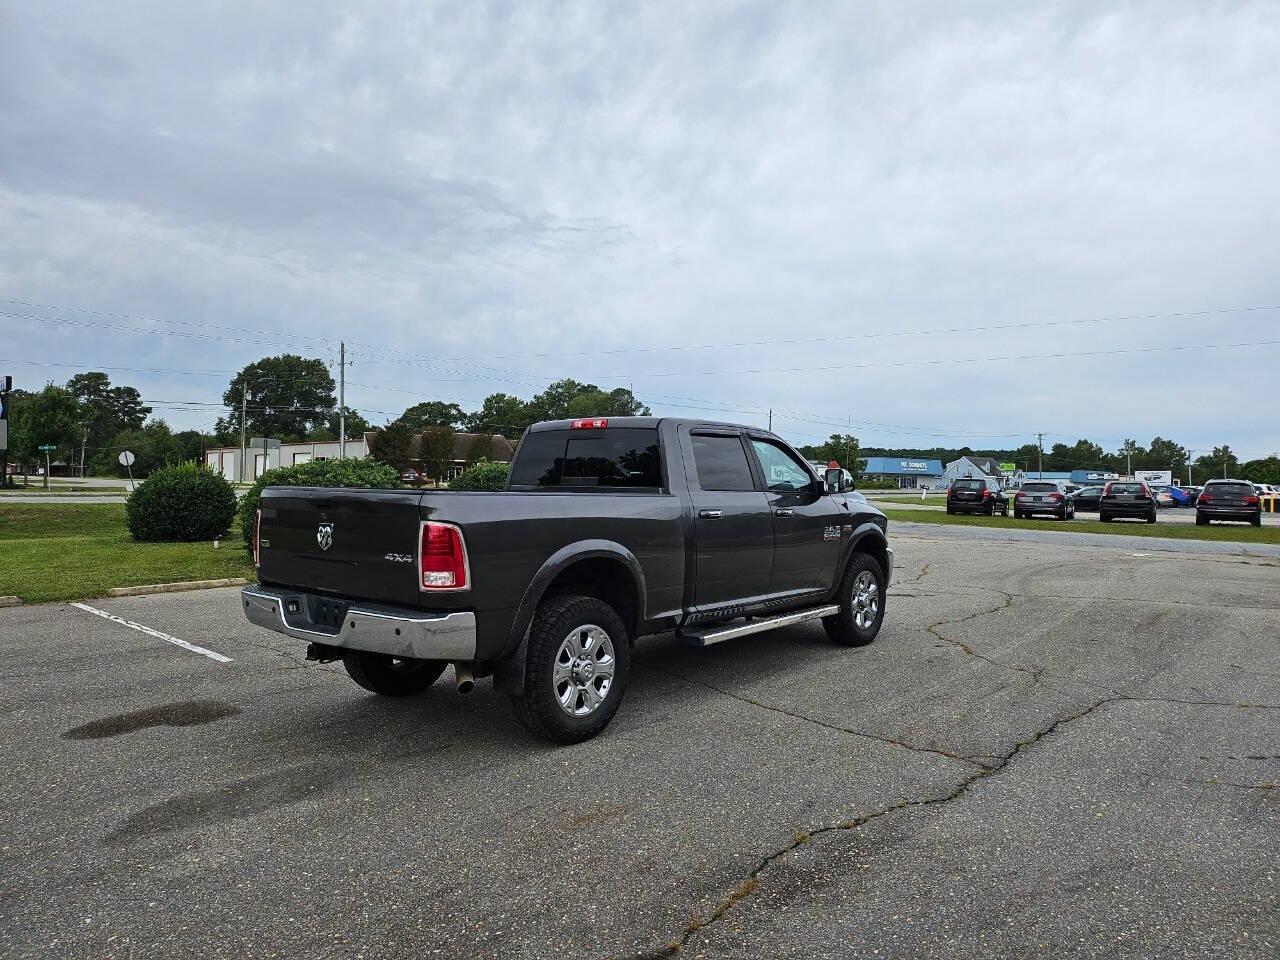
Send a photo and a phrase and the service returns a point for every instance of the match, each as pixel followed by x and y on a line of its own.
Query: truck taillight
pixel 257 529
pixel 590 423
pixel 442 557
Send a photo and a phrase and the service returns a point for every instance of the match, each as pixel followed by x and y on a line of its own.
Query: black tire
pixel 1201 521
pixel 991 510
pixel 1017 514
pixel 1151 517
pixel 389 676
pixel 1104 516
pixel 949 510
pixel 843 628
pixel 1257 520
pixel 538 705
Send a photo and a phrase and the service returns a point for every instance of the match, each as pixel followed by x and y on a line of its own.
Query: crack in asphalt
pixel 878 738
pixel 933 628
pixel 752 882
pixel 1240 786
pixel 924 571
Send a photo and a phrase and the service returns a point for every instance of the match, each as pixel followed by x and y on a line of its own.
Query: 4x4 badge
pixel 324 535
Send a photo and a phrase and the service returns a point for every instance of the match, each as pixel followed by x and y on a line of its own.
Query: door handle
pixel 784 512
pixel 710 514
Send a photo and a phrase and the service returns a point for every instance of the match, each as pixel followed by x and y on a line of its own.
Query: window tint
pixel 1039 487
pixel 1127 488
pixel 1229 489
pixel 968 485
pixel 721 463
pixel 781 470
pixel 589 458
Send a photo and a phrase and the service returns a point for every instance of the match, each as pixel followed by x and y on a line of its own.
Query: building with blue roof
pixel 909 472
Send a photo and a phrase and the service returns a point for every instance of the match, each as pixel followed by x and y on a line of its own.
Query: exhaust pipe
pixel 466 680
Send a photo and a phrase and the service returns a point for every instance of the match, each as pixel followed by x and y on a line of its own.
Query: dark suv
pixel 1127 499
pixel 1228 500
pixel 976 496
pixel 1043 496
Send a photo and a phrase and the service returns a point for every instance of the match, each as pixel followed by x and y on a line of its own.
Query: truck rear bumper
pixel 378 629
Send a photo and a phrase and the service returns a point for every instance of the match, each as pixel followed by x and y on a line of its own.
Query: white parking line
pixel 154 633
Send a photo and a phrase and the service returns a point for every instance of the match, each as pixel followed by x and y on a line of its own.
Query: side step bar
pixel 715 634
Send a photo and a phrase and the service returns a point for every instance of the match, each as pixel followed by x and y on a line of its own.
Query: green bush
pixel 182 503
pixel 481 476
pixel 886 484
pixel 317 473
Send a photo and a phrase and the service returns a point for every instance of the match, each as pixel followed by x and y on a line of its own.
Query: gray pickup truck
pixel 608 529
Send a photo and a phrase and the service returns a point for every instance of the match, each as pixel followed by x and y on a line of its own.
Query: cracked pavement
pixel 1052 748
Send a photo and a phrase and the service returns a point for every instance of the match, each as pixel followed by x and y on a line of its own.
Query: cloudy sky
pixel 842 212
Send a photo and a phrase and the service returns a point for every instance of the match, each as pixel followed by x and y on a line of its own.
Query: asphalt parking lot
pixel 1059 745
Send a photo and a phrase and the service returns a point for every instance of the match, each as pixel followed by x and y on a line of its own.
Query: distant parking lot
pixel 1056 746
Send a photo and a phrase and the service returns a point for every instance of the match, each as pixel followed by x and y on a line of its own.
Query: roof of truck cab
pixel 622 423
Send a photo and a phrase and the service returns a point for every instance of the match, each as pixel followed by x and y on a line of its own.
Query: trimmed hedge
pixel 481 476
pixel 182 503
pixel 369 474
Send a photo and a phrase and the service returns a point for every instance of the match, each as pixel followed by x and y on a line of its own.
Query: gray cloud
pixel 483 179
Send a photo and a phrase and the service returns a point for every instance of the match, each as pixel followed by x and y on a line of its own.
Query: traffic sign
pixel 48 447
pixel 126 458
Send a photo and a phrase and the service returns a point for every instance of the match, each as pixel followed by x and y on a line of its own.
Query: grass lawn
pixel 1235 533
pixel 71 551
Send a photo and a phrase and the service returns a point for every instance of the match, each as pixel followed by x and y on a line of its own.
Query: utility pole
pixel 342 401
pixel 244 409
pixel 6 384
pixel 82 446
pixel 771 418
pixel 1040 455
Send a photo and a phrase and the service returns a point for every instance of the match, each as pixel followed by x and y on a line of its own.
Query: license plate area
pixel 326 614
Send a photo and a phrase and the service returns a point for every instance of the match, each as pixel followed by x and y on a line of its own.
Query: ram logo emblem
pixel 324 535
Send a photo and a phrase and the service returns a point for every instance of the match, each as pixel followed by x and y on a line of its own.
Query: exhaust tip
pixel 466 680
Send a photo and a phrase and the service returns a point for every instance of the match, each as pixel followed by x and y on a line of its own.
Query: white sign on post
pixel 126 459
pixel 1160 478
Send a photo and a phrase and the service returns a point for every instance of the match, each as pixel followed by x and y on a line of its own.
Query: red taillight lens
pixel 1203 498
pixel 1250 500
pixel 1055 496
pixel 591 423
pixel 986 494
pixel 257 527
pixel 443 557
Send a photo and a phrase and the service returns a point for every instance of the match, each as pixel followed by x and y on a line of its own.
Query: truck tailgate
pixel 358 543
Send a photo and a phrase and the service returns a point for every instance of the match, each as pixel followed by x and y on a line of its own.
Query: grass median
pixel 1233 533
pixel 72 551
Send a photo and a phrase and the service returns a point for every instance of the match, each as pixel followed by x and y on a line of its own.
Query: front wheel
pixel 579 660
pixel 391 676
pixel 861 600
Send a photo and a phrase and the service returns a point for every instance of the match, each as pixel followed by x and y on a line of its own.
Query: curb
pixel 10 602
pixel 175 587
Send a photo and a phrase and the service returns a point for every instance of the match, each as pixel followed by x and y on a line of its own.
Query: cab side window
pixel 782 471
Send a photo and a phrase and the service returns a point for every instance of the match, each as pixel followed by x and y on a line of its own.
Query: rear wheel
pixel 578 665
pixel 1151 517
pixel 1201 520
pixel 1104 516
pixel 861 600
pixel 1257 520
pixel 391 676
pixel 991 510
pixel 949 510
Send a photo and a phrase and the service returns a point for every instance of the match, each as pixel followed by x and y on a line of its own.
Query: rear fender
pixel 508 674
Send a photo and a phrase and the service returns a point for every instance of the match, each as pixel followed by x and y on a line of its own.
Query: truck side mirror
pixel 834 478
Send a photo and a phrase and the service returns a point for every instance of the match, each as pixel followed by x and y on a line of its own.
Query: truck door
pixel 733 530
pixel 807 526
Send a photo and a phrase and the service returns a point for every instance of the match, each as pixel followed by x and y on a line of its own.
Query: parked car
pixel 1086 498
pixel 410 476
pixel 977 496
pixel 1127 498
pixel 1162 496
pixel 1181 498
pixel 1228 500
pixel 608 529
pixel 1043 496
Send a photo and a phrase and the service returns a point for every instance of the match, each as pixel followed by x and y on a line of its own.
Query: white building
pixel 226 460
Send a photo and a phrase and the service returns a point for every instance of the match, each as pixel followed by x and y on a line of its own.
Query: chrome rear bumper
pixel 372 627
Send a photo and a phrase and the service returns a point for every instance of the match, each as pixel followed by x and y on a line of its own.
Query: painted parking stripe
pixel 154 633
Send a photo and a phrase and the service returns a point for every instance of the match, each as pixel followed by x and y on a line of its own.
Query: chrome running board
pixel 705 638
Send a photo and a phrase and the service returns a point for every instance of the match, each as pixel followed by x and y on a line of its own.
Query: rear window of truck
pixel 576 459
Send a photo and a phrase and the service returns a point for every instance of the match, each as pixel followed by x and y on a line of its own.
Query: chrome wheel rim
pixel 866 599
pixel 584 669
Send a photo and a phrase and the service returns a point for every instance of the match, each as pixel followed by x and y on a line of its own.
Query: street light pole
pixel 342 401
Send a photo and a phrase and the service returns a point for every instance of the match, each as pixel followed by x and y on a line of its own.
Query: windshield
pixel 1040 487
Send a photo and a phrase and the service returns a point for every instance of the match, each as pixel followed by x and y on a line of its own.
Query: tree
pixel 481 448
pixel 356 425
pixel 1220 462
pixel 52 416
pixel 393 444
pixel 435 453
pixel 844 449
pixel 557 402
pixel 1266 470
pixel 1164 454
pixel 288 397
pixel 187 446
pixel 500 413
pixel 432 413
pixel 1130 452
pixel 106 410
pixel 152 447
